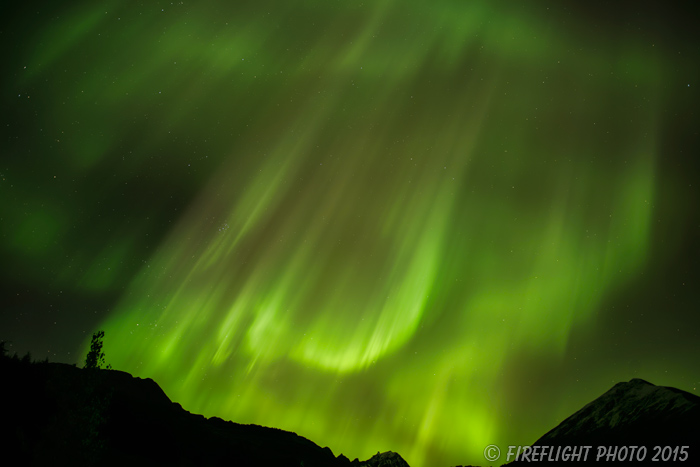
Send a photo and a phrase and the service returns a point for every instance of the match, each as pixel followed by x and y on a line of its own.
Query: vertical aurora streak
pixel 388 205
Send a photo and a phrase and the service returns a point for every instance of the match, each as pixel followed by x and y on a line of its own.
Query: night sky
pixel 414 226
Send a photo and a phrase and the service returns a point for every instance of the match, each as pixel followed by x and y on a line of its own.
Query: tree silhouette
pixel 96 402
pixel 95 358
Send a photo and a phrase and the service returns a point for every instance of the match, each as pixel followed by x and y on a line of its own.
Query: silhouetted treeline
pixel 37 398
pixel 56 414
pixel 15 358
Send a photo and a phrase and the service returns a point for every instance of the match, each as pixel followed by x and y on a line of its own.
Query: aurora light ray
pixel 402 199
pixel 344 243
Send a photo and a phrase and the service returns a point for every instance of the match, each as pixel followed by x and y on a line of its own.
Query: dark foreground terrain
pixel 57 414
pixel 637 421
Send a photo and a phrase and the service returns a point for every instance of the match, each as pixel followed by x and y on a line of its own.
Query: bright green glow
pixel 405 202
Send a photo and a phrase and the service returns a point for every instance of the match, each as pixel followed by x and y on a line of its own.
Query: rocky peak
pixel 385 459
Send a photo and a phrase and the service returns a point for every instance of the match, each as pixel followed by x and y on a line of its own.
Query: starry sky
pixel 414 226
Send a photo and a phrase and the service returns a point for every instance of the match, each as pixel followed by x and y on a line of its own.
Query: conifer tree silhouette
pixel 95 358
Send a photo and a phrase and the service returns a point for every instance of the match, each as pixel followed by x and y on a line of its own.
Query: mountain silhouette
pixel 632 414
pixel 57 414
pixel 385 459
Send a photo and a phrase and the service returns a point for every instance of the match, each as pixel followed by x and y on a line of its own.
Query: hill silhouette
pixel 57 414
pixel 633 414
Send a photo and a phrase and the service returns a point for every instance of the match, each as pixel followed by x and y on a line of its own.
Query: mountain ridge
pixel 624 406
pixel 634 414
pixel 58 414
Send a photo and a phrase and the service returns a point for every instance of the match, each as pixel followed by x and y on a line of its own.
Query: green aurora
pixel 385 226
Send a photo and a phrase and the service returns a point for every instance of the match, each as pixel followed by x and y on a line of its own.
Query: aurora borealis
pixel 414 226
